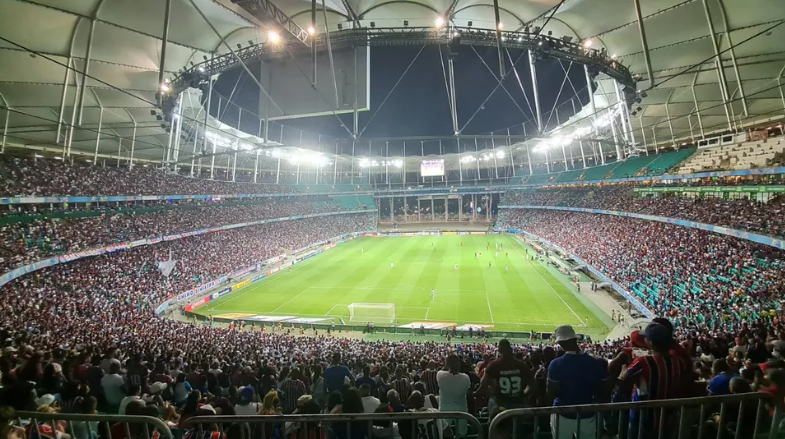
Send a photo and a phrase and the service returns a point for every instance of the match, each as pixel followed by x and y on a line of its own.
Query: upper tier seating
pixel 748 155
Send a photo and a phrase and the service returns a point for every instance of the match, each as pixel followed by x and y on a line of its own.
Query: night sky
pixel 419 105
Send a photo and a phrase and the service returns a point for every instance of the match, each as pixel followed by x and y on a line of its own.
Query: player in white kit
pixel 455 267
pixel 391 265
pixel 433 293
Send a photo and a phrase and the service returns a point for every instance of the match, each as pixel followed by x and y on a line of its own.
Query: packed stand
pixel 699 279
pixel 39 236
pixel 82 337
pixel 743 214
pixel 44 177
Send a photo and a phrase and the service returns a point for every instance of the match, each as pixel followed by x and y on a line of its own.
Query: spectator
pixel 337 375
pixel 113 387
pixel 370 402
pixel 575 378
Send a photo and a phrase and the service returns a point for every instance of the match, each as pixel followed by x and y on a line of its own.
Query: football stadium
pixel 392 219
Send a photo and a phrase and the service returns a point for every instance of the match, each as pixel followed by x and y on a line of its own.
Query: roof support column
pixel 668 115
pixel 498 26
pixel 355 113
pixel 453 106
pixel 119 150
pixel 695 101
pixel 164 43
pixel 733 60
pixel 720 68
pixel 98 136
pixel 644 41
pixel 88 58
pixel 278 171
pixel 335 165
pixel 622 110
pixel 779 85
pixel 643 133
pixel 593 109
pixel 62 103
pixel 583 155
pixel 538 112
pixel 313 43
pixel 133 145
pixel 5 128
pixel 256 166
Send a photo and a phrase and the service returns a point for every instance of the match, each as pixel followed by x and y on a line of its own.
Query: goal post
pixel 372 312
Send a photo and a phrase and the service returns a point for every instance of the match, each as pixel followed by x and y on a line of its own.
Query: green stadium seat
pixel 598 172
pixel 567 176
pixel 630 167
pixel 666 161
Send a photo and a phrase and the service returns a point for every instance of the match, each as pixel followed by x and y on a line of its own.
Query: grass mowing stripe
pixel 520 299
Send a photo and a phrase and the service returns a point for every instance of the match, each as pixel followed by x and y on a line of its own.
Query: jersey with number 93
pixel 511 377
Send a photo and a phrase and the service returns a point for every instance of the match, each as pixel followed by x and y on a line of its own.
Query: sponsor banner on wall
pixel 201 288
pixel 220 293
pixel 308 320
pixel 232 315
pixel 269 318
pixel 197 304
pixel 161 308
pixel 473 327
pixel 476 233
pixel 449 233
pixel 239 285
pixel 427 325
pixel 258 277
pixel 245 270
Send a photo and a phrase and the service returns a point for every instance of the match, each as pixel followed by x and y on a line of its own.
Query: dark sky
pixel 419 105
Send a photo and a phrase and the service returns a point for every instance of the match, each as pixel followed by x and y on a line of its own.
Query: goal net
pixel 372 312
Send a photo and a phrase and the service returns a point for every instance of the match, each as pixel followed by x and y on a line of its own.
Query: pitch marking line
pixel 490 311
pixel 426 313
pixel 331 309
pixel 518 249
pixel 288 301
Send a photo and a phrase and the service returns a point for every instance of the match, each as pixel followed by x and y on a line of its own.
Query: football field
pixel 512 294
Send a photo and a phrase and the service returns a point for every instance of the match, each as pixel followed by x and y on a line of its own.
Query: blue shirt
pixel 720 385
pixel 334 377
pixel 579 377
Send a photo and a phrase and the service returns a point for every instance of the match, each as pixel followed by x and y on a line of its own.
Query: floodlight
pixel 439 21
pixel 201 69
pixel 614 56
pixel 273 36
pixel 165 88
pixel 500 25
pixel 311 30
pixel 587 43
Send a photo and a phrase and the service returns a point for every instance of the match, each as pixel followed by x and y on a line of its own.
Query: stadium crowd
pixel 82 336
pixel 765 218
pixel 700 279
pixel 39 236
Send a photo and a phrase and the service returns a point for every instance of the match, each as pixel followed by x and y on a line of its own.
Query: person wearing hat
pixel 246 406
pixel 575 378
pixel 659 375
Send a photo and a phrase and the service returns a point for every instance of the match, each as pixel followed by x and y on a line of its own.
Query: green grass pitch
pixel 526 297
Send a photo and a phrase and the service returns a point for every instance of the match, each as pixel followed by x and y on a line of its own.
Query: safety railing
pixel 742 416
pixel 404 425
pixel 51 425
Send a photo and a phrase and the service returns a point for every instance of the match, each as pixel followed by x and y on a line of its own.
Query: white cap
pixel 564 333
pixel 157 387
pixel 47 399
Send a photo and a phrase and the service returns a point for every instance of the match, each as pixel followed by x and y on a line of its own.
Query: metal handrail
pixel 51 418
pixel 348 418
pixel 623 408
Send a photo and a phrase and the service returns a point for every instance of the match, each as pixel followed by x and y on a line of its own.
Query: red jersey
pixel 511 377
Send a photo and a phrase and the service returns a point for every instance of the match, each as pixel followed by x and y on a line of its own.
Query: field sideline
pixel 527 297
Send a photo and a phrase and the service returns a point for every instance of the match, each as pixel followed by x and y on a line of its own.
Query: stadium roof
pixel 125 57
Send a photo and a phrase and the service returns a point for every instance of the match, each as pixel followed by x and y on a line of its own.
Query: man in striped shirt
pixel 429 378
pixel 659 375
pixel 401 384
pixel 293 388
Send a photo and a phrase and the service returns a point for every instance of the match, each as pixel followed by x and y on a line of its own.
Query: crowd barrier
pixel 80 426
pixel 597 273
pixel 409 425
pixel 749 236
pixel 742 416
pixel 48 262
